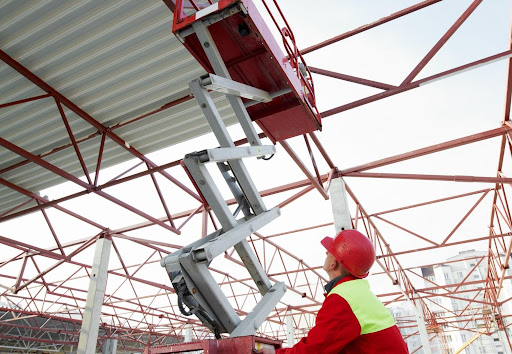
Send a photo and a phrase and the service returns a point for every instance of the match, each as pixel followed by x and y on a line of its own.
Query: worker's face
pixel 329 263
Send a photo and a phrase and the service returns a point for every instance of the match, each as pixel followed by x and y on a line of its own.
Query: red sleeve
pixel 336 326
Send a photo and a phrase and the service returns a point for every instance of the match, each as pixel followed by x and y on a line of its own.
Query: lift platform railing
pixel 296 59
pixel 197 9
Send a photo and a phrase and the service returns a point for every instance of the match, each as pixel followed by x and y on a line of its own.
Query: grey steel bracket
pixel 216 246
pixel 207 248
pixel 236 153
pixel 212 18
pixel 221 84
pixel 171 262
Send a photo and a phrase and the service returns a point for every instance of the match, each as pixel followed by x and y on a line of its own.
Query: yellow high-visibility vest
pixel 368 309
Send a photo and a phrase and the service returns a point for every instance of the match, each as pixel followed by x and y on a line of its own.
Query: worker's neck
pixel 333 275
pixel 333 281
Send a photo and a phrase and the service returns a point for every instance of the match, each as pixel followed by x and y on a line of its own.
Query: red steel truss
pixel 44 288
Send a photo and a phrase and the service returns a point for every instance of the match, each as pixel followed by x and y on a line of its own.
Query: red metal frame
pixel 212 346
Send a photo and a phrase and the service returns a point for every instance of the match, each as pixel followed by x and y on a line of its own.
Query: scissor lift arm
pixel 188 269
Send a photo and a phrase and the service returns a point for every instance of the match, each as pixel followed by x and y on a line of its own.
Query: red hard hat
pixel 353 250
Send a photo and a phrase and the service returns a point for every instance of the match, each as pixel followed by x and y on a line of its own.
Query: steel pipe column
pixel 97 284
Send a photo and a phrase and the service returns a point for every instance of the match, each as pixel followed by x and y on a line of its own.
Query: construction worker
pixel 351 319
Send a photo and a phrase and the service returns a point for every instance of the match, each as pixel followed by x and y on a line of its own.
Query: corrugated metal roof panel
pixel 116 60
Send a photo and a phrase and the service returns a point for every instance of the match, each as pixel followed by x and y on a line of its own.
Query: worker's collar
pixel 328 287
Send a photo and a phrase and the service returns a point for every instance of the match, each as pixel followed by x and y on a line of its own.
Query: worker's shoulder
pixel 351 286
pixel 356 292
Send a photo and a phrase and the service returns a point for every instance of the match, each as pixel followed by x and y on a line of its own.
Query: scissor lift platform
pixel 245 63
pixel 253 57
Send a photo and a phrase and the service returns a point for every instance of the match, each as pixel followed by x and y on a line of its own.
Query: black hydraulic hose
pixel 180 305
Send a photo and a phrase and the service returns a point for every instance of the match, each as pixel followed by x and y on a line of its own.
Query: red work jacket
pixel 338 329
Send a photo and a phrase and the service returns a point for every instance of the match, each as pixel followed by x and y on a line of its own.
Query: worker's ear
pixel 334 265
pixel 339 268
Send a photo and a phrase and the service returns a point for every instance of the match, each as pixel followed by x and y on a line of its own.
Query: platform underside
pixel 254 58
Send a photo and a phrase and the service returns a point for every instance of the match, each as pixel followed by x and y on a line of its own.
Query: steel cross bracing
pixel 41 284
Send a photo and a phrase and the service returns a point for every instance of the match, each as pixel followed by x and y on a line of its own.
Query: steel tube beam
pixel 415 84
pixel 82 114
pixel 354 79
pixel 429 177
pixel 441 42
pixel 24 100
pixel 430 149
pixel 86 186
pixel 369 26
pixel 304 169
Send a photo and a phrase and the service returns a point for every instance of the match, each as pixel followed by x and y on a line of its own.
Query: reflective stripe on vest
pixel 369 311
